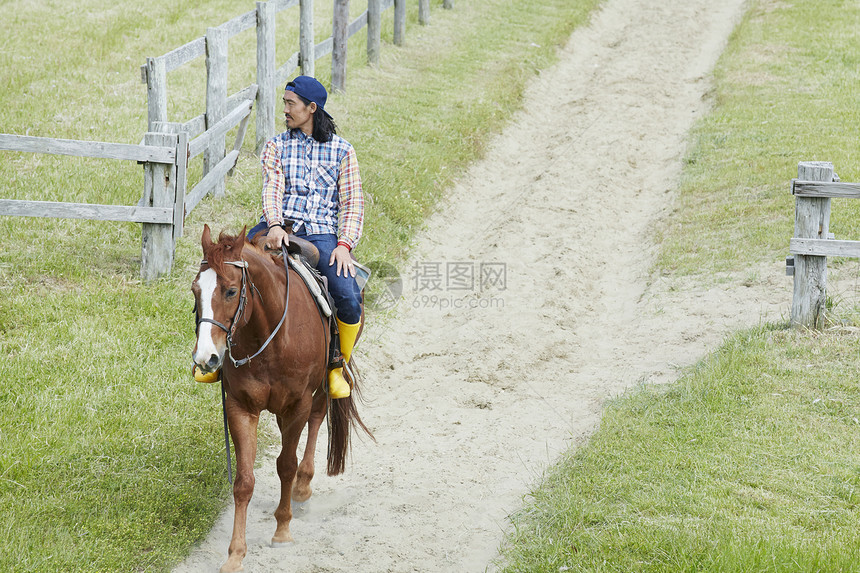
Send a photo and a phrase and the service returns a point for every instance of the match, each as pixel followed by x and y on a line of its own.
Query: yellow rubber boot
pixel 338 387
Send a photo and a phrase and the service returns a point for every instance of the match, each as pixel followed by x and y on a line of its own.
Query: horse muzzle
pixel 210 363
pixel 208 354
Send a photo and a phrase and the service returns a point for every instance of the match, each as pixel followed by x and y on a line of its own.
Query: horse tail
pixel 343 416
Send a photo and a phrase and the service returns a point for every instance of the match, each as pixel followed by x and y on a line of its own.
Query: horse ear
pixel 206 240
pixel 239 242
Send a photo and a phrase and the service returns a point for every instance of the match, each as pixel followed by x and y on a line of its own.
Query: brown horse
pixel 248 306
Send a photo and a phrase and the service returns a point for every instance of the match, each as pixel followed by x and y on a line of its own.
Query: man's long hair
pixel 324 125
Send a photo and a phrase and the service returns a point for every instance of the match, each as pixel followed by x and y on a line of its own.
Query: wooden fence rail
pixel 77 148
pixel 813 242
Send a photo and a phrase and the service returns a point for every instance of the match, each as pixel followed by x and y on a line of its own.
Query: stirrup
pixel 336 361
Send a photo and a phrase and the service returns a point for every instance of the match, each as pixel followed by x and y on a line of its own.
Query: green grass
pixel 750 461
pixel 785 93
pixel 106 447
pixel 110 456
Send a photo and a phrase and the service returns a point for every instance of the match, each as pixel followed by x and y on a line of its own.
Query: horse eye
pixel 231 292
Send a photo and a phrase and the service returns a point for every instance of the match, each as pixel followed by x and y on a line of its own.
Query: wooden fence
pixel 165 202
pixel 161 210
pixel 813 242
pixel 168 146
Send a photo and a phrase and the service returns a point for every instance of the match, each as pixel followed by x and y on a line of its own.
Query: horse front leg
pixel 302 486
pixel 243 429
pixel 291 422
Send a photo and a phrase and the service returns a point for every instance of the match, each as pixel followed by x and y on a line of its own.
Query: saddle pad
pixel 308 277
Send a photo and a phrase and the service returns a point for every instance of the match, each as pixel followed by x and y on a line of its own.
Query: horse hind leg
pixel 302 485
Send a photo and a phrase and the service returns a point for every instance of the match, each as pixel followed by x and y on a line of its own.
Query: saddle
pixel 306 252
pixel 304 248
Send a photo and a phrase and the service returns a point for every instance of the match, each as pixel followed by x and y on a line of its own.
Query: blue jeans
pixel 343 288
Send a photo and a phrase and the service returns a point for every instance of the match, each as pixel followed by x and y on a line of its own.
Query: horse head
pixel 220 293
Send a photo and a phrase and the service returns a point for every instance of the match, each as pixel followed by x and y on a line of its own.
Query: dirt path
pixel 474 392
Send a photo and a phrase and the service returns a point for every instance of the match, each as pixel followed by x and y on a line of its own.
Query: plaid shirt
pixel 313 184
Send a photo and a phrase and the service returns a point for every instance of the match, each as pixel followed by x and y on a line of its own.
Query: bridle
pixel 240 310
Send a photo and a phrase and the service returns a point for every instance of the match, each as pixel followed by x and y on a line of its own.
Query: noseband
pixel 240 310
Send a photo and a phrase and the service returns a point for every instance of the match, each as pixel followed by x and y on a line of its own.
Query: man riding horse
pixel 312 189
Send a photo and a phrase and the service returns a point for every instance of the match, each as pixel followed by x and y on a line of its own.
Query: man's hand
pixel 276 237
pixel 344 260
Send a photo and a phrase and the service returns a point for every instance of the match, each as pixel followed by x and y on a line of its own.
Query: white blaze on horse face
pixel 206 347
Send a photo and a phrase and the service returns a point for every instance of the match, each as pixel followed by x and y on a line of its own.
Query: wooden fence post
pixel 266 89
pixel 306 37
pixel 180 185
pixel 156 91
pixel 374 31
pixel 399 21
pixel 811 221
pixel 340 23
pixel 156 255
pixel 424 12
pixel 216 99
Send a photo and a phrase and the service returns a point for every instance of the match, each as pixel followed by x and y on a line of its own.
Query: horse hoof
pixel 231 567
pixel 280 544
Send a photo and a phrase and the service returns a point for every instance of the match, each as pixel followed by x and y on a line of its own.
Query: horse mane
pixel 222 252
pixel 258 242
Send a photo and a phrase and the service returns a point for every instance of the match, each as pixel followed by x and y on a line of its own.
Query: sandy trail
pixel 526 305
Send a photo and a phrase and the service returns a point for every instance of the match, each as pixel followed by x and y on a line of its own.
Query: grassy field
pixel 110 456
pixel 750 461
